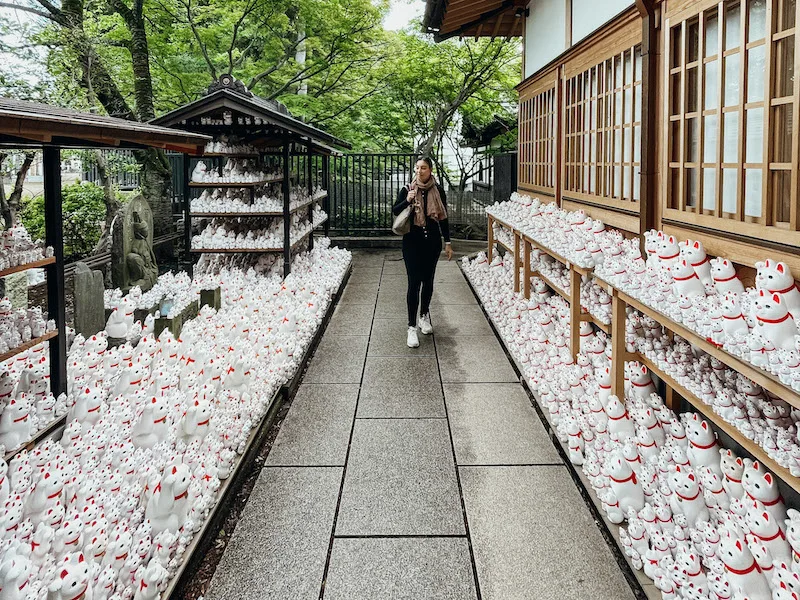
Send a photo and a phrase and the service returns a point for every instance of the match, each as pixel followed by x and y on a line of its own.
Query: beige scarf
pixel 436 209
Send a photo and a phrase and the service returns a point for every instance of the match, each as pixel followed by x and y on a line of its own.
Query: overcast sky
pixel 402 12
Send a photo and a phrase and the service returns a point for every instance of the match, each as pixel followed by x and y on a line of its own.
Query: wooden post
pixel 669 397
pixel 490 235
pixel 526 268
pixel 574 311
pixel 310 182
pixel 287 246
pixel 187 214
pixel 54 236
pixel 647 182
pixel 517 260
pixel 326 179
pixel 618 350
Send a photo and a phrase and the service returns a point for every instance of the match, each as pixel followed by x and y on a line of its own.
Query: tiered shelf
pixel 273 213
pixel 234 184
pixel 34 342
pixel 38 264
pixel 40 435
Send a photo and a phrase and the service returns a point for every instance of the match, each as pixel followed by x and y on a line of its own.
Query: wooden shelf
pixel 557 289
pixel 708 412
pixel 230 184
pixel 248 250
pixel 762 378
pixel 587 316
pixel 34 342
pixel 232 155
pixel 543 248
pixel 320 223
pixel 38 264
pixel 503 245
pixel 274 213
pixel 37 437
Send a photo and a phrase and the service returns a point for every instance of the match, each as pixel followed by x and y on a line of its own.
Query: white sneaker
pixel 425 324
pixel 413 340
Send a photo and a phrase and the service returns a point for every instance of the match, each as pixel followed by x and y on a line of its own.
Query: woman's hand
pixel 448 251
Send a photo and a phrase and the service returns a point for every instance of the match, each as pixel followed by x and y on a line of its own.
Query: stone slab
pixel 388 338
pixel 400 480
pixel 316 430
pixel 394 267
pixel 352 319
pixel 279 547
pixel 363 258
pixel 473 359
pixel 365 275
pixel 360 293
pixel 388 401
pixel 533 537
pixel 401 569
pixel 402 373
pixel 452 293
pixel 391 303
pixel 338 359
pixel 452 319
pixel 495 424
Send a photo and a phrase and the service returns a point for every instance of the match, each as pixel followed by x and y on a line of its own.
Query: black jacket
pixel 402 203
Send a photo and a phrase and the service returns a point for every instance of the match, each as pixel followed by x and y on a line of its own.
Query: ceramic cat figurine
pixel 760 485
pixel 686 498
pixel 726 281
pixel 168 505
pixel 668 251
pixel 695 254
pixel 624 483
pixel 742 569
pixel 686 281
pixel 703 450
pixel 774 322
pixel 776 278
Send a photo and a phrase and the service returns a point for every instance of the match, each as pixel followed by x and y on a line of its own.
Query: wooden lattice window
pixel 602 132
pixel 731 135
pixel 537 140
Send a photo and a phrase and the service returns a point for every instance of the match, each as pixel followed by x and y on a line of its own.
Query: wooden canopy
pixel 474 18
pixel 275 121
pixel 33 124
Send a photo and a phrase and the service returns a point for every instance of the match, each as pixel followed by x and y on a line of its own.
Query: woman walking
pixel 423 244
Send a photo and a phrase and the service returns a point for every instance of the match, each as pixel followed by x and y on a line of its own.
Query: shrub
pixel 84 213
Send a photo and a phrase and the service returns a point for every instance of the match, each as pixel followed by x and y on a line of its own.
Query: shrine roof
pixel 35 124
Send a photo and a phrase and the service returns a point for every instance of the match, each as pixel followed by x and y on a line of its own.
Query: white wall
pixel 588 15
pixel 545 33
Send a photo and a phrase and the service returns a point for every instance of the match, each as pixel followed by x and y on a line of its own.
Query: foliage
pixel 84 211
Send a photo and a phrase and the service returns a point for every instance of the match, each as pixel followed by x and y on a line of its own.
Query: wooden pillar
pixel 517 259
pixel 490 235
pixel 618 350
pixel 574 311
pixel 54 236
pixel 326 182
pixel 647 188
pixel 187 214
pixel 526 268
pixel 287 246
pixel 310 176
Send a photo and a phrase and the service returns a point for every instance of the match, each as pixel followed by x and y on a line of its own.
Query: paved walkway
pixel 414 474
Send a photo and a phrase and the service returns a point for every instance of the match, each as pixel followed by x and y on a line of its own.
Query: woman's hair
pixel 426 160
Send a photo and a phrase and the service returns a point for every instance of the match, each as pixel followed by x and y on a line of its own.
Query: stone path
pixel 414 474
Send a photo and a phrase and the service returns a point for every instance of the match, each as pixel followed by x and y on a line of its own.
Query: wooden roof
pixel 474 18
pixel 34 124
pixel 228 93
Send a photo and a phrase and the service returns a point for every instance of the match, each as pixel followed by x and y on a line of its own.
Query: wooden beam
pixel 497 24
pixel 648 196
pixel 506 5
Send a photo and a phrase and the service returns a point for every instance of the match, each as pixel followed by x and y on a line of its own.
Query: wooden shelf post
pixel 54 236
pixel 574 311
pixel 490 235
pixel 526 268
pixel 619 353
pixel 517 259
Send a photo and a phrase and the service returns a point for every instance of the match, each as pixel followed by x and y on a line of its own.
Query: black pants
pixel 420 255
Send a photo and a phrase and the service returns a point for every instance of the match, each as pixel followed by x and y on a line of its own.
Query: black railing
pixel 364 187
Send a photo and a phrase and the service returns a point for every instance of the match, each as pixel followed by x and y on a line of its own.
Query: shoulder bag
pixel 402 222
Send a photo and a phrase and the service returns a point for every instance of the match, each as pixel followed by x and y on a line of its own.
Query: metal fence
pixel 364 187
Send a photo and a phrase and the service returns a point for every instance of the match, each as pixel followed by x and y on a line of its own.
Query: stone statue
pixel 141 261
pixel 132 259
